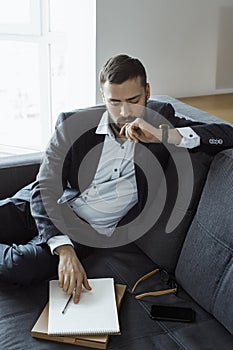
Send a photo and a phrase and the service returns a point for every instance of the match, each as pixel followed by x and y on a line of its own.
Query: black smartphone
pixel 172 313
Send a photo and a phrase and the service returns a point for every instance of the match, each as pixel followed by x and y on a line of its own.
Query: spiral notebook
pixel 95 313
pixel 40 328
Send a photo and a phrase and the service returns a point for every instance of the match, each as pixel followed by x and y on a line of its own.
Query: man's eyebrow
pixel 128 99
pixel 134 97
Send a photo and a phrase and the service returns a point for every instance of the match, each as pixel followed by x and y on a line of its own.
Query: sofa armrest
pixel 18 171
pixel 205 268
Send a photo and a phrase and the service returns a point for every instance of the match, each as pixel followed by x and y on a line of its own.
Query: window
pixel 47 65
pixel 20 17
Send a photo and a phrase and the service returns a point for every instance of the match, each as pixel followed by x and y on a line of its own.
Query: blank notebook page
pixel 95 313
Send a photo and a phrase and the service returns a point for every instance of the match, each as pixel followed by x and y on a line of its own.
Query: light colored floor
pixel 219 105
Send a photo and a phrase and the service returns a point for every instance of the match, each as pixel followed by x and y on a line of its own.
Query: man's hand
pixel 71 272
pixel 140 130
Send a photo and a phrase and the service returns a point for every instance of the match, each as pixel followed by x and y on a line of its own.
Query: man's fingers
pixel 134 134
pixel 132 131
pixel 61 278
pixel 72 285
pixel 71 274
pixel 122 131
pixel 78 289
pixel 66 283
pixel 81 281
pixel 129 133
pixel 86 283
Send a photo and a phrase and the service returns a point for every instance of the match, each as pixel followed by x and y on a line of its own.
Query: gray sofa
pixel 198 253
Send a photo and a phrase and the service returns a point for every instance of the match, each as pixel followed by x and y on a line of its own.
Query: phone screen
pixel 172 313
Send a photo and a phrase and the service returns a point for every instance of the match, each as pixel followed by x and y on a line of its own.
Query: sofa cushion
pixel 21 306
pixel 205 266
pixel 164 240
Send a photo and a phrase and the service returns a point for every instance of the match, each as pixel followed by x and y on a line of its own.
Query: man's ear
pixel 147 91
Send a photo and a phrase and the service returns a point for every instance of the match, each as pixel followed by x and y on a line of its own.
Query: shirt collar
pixel 104 127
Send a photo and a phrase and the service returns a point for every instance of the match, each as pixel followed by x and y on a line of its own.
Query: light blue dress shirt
pixel 113 191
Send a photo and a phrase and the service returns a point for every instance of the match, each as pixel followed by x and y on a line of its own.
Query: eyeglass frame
pixel 165 277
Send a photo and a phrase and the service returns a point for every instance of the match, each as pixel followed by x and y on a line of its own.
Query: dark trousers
pixel 23 259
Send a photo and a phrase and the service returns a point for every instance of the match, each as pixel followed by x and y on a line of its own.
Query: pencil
pixel 68 301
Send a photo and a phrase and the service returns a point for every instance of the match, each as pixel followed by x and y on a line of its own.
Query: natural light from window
pixel 20 14
pixel 19 95
pixel 46 72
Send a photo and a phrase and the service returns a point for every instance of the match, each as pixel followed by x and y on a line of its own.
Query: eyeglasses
pixel 164 277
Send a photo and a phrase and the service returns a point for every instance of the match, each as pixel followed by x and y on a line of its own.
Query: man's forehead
pixel 127 90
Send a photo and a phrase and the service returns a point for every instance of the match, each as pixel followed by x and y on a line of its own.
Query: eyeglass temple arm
pixel 159 292
pixel 143 278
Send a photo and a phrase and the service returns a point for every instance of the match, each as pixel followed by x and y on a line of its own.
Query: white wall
pixel 177 40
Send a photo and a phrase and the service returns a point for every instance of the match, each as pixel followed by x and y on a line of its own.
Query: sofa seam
pixel 227 267
pixel 142 337
pixel 214 238
pixel 118 274
pixel 213 299
pixel 168 331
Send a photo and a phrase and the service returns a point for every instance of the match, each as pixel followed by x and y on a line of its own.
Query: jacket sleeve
pixel 214 137
pixel 49 184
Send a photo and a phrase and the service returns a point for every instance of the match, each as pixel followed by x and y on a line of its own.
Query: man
pixel 111 190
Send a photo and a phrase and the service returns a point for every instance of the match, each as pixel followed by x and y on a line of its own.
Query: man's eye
pixel 115 103
pixel 134 101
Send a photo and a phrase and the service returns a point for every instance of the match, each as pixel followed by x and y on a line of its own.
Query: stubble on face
pixel 124 102
pixel 118 123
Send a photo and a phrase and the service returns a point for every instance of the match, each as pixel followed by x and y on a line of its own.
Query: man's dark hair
pixel 120 68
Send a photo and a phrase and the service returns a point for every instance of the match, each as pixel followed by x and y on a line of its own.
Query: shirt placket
pixel 117 163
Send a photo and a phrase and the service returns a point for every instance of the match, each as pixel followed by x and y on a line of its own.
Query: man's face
pixel 125 101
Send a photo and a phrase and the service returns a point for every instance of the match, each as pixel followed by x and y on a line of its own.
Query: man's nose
pixel 125 109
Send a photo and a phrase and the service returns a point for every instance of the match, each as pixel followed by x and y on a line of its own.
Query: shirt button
pixel 122 147
pixel 85 197
pixel 94 187
pixel 191 135
pixel 115 169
